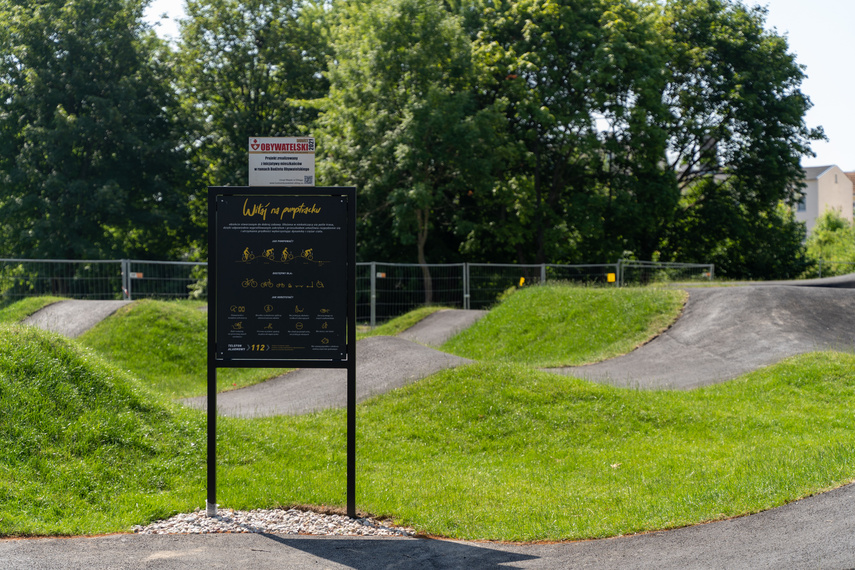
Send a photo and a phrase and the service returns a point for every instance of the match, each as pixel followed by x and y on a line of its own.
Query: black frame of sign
pixel 274 301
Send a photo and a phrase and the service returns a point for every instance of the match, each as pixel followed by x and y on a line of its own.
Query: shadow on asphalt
pixel 365 554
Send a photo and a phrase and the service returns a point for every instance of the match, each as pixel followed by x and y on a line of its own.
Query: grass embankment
pixel 83 447
pixel 22 309
pixel 488 451
pixel 556 325
pixel 164 343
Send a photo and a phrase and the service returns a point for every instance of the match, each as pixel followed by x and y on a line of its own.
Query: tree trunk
pixel 422 220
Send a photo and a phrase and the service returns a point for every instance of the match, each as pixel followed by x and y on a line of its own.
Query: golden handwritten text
pixel 251 210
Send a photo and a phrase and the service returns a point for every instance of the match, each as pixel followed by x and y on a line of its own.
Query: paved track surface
pixel 728 331
pixel 382 364
pixel 759 324
pixel 440 326
pixel 818 532
pixel 73 318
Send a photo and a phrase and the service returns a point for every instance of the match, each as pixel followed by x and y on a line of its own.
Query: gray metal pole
pixel 373 294
pixel 466 286
pixel 126 279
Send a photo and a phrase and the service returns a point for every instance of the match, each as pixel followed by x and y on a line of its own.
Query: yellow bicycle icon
pixel 249 282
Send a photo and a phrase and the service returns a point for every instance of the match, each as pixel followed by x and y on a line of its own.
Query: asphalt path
pixel 817 532
pixel 382 364
pixel 74 317
pixel 722 332
pixel 729 331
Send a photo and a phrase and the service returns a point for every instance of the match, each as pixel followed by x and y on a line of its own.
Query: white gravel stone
pixel 274 521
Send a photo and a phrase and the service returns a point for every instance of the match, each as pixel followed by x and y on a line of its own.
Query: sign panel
pixel 281 277
pixel 281 161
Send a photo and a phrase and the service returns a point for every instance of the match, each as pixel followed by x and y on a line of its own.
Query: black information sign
pixel 281 277
pixel 281 292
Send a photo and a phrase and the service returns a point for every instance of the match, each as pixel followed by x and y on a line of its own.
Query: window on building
pixel 802 206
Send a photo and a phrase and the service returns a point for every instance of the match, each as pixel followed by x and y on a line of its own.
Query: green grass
pixel 557 325
pixel 83 448
pixel 164 344
pixel 497 451
pixel 22 309
pixel 401 323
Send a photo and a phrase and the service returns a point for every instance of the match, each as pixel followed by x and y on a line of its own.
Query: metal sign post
pixel 282 291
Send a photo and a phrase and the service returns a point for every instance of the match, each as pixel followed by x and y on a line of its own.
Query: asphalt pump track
pixel 723 332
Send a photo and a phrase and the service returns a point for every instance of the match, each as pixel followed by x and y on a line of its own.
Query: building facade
pixel 828 187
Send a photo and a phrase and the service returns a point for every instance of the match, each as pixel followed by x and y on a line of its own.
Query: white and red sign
pixel 281 161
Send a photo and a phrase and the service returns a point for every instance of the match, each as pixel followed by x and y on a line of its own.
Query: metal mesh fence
pixel 386 290
pixel 597 273
pixel 164 279
pixel 87 279
pixel 829 268
pixel 488 281
pixel 649 272
pixel 383 290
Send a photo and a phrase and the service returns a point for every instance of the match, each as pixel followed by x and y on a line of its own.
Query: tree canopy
pixel 91 163
pixel 563 131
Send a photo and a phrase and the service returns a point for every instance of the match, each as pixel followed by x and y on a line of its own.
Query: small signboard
pixel 281 161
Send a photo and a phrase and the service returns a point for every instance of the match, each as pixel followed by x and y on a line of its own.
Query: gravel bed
pixel 274 521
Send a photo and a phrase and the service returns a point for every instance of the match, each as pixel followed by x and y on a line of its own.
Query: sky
pixel 819 34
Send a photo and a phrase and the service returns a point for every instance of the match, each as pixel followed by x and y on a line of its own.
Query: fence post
pixel 820 268
pixel 126 279
pixel 620 272
pixel 466 286
pixel 542 273
pixel 373 294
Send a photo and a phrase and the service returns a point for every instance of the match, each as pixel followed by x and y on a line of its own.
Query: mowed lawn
pixel 497 450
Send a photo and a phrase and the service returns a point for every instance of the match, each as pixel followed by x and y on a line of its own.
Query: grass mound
pixel 401 323
pixel 494 450
pixel 20 310
pixel 509 453
pixel 164 344
pixel 560 325
pixel 83 448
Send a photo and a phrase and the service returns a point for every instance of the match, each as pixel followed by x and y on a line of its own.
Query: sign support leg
pixel 211 503
pixel 351 441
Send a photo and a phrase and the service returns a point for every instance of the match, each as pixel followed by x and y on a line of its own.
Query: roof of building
pixel 814 172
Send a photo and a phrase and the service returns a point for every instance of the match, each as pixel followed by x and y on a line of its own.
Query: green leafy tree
pixel 402 124
pixel 249 68
pixel 89 165
pixel 581 85
pixel 736 137
pixel 831 239
pixel 637 126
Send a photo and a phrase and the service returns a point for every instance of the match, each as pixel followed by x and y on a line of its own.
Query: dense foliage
pixel 475 130
pixel 831 246
pixel 91 160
